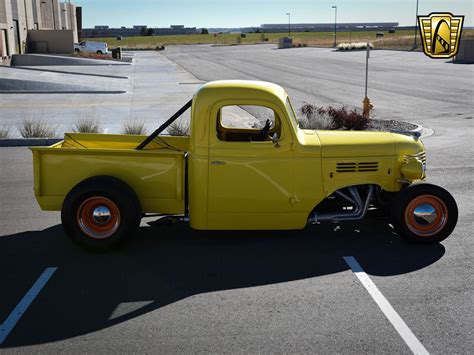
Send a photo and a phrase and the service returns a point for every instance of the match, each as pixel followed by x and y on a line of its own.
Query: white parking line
pixel 400 326
pixel 22 307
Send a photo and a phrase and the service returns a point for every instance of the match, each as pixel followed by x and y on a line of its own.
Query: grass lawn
pixel 398 40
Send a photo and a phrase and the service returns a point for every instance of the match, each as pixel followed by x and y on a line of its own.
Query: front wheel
pixel 100 213
pixel 424 213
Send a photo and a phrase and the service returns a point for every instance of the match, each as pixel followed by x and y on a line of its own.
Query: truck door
pixel 250 183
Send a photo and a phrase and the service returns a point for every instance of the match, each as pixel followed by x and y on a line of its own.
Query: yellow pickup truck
pixel 232 173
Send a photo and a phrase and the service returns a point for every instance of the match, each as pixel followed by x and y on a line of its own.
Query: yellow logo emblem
pixel 440 32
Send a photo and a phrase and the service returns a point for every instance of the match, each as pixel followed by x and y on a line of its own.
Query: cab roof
pixel 229 88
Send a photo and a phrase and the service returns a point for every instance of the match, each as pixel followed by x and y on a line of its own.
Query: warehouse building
pixel 24 20
pixel 137 30
pixel 322 27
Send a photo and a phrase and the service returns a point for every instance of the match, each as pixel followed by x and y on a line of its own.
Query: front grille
pixel 360 167
pixel 420 156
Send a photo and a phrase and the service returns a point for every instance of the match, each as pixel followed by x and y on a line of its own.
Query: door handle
pixel 216 162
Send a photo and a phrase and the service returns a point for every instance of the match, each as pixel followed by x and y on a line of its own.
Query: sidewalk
pixel 155 89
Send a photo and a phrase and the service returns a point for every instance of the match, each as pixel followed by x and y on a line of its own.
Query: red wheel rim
pixel 98 217
pixel 426 215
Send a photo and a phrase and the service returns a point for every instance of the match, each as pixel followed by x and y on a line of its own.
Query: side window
pixel 243 123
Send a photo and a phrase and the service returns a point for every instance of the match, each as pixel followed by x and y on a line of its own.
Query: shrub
pixel 351 120
pixel 36 128
pixel 315 117
pixel 136 127
pixel 4 131
pixel 353 46
pixel 178 128
pixel 87 125
pixel 204 31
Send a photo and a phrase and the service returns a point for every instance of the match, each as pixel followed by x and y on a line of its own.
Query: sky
pixel 247 13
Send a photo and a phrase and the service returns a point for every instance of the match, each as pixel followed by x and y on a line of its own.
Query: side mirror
pixel 275 140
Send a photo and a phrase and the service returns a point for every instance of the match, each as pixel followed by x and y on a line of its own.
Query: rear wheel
pixel 100 213
pixel 77 50
pixel 99 52
pixel 424 213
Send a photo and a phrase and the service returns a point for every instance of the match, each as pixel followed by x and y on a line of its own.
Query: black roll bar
pixel 165 125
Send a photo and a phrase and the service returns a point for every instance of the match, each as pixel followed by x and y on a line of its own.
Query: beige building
pixel 18 17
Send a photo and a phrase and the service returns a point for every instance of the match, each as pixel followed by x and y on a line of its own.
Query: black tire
pixel 99 52
pixel 77 50
pixel 435 218
pixel 83 227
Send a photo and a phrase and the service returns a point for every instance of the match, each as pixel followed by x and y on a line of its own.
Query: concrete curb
pixel 71 73
pixel 25 60
pixel 28 142
pixel 423 131
pixel 427 132
pixel 418 129
pixel 6 92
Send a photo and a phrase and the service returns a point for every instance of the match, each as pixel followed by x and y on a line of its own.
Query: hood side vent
pixel 360 167
pixel 346 167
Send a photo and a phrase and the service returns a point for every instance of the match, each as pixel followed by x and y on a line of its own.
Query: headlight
pixel 414 166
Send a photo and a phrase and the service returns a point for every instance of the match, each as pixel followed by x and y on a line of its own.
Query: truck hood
pixel 336 144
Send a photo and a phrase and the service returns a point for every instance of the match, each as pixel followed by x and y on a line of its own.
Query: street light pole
pixel 289 24
pixel 335 25
pixel 416 25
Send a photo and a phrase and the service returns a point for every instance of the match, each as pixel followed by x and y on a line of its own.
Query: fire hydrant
pixel 367 107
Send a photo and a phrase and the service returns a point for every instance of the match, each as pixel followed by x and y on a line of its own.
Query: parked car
pixel 225 177
pixel 91 47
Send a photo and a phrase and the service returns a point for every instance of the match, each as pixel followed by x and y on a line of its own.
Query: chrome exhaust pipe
pixel 359 212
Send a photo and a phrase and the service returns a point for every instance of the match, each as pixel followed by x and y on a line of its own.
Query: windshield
pixel 290 110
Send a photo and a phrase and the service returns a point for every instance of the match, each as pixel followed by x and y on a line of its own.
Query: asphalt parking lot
pixel 172 289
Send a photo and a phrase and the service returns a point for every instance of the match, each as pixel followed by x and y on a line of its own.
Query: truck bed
pixel 156 174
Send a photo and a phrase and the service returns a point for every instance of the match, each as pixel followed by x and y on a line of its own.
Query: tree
pixel 204 31
pixel 150 32
pixel 143 31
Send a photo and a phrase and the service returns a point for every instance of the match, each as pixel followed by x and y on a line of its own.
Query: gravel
pixel 390 125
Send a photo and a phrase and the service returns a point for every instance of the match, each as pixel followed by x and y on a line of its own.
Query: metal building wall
pixel 56 5
pixel 22 12
pixel 47 14
pixel 6 32
pixel 17 17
